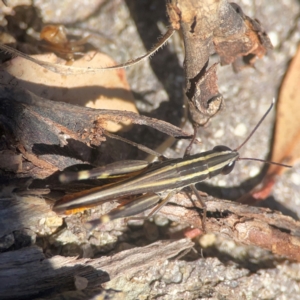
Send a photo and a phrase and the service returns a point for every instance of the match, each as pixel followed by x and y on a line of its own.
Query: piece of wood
pixel 248 225
pixel 26 273
pixel 245 224
pixel 209 27
pixel 54 135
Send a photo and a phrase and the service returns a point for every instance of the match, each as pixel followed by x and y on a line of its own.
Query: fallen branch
pixel 59 274
pixel 248 225
pixel 54 135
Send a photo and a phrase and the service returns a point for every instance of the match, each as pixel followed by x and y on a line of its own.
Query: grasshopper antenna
pixel 257 125
pixel 266 162
pixel 69 70
pixel 250 135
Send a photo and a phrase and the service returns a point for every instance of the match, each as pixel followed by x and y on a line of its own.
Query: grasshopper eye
pixel 227 169
pixel 221 148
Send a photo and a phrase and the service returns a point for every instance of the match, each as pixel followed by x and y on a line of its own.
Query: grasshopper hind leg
pixel 156 209
pixel 139 205
pixel 134 207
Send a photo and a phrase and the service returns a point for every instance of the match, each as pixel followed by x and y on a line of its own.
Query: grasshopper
pixel 149 181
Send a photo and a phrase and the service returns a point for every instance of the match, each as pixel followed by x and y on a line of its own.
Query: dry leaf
pixel 286 146
pixel 108 90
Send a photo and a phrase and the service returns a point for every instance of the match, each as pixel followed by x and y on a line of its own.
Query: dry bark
pixel 54 135
pixel 248 225
pixel 80 278
pixel 45 277
pixel 208 27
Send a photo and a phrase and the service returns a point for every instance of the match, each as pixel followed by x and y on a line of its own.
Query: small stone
pixel 24 238
pixel 219 133
pixel 103 241
pixel 207 240
pixel 87 251
pixel 240 130
pixel 71 250
pixel 151 231
pixel 54 221
pixel 64 237
pixel 160 220
pixel 80 283
pixel 6 241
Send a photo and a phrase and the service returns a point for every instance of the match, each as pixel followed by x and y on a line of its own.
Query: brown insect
pixel 55 39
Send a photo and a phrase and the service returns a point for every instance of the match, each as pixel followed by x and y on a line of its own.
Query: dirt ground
pixel 219 268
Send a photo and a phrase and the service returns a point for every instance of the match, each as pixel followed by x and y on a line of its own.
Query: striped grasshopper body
pixel 172 174
pixel 150 180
